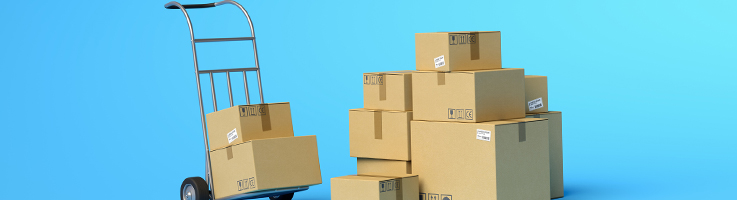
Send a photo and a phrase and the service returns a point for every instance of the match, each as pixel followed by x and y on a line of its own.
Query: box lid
pixel 392 72
pixel 460 32
pixel 469 72
pixel 377 110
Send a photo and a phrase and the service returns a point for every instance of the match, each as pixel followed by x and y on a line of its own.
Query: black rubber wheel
pixel 283 197
pixel 194 188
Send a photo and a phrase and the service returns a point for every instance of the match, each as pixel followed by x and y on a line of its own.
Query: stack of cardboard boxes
pixel 476 130
pixel 253 148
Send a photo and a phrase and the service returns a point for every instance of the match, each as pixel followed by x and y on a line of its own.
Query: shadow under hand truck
pixel 196 188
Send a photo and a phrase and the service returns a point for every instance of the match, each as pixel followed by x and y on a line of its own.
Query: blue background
pixel 99 99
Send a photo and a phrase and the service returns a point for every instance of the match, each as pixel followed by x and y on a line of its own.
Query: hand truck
pixel 195 188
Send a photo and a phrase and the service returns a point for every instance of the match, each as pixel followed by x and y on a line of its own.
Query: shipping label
pixel 440 61
pixel 232 135
pixel 535 104
pixel 483 135
pixel 253 110
pixel 462 38
pixel 462 114
pixel 373 79
pixel 246 184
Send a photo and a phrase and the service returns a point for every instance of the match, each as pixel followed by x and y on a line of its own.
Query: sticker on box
pixel 232 135
pixel 440 61
pixel 483 135
pixel 535 104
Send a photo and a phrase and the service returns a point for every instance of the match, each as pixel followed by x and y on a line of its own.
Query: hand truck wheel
pixel 194 188
pixel 282 197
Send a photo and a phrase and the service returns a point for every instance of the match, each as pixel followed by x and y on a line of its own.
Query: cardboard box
pixel 488 160
pixel 536 94
pixel 468 96
pixel 379 134
pixel 242 123
pixel 388 90
pixel 555 133
pixel 265 164
pixel 458 51
pixel 383 166
pixel 375 187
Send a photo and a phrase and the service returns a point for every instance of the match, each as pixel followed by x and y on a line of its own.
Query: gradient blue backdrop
pixel 99 98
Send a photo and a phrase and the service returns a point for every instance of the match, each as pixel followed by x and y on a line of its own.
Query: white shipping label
pixel 232 135
pixel 535 104
pixel 440 61
pixel 483 135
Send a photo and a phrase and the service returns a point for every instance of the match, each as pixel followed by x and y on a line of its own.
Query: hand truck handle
pixel 176 5
pixel 188 6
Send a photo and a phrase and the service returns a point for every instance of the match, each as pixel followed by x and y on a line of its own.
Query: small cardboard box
pixel 458 51
pixel 468 96
pixel 265 164
pixel 242 123
pixel 375 187
pixel 555 133
pixel 379 134
pixel 480 161
pixel 536 94
pixel 383 166
pixel 388 90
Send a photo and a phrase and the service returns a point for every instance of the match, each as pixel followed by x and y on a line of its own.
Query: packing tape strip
pixel 441 78
pixel 265 118
pixel 522 132
pixel 474 45
pixel 377 125
pixel 382 87
pixel 229 151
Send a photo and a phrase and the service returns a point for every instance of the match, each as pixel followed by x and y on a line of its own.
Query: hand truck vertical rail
pixel 193 188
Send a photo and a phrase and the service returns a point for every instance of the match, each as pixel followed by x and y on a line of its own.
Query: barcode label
pixel 232 135
pixel 483 135
pixel 440 61
pixel 535 104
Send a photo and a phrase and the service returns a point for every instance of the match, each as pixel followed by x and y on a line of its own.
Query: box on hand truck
pixel 252 166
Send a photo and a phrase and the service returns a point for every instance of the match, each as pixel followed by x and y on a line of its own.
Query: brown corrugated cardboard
pixel 388 90
pixel 379 134
pixel 374 187
pixel 536 94
pixel 242 123
pixel 265 164
pixel 458 51
pixel 383 166
pixel 488 160
pixel 555 130
pixel 468 96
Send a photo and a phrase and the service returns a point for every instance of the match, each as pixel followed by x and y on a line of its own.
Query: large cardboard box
pixel 536 94
pixel 505 160
pixel 242 123
pixel 388 90
pixel 265 164
pixel 457 51
pixel 379 134
pixel 375 187
pixel 468 96
pixel 383 166
pixel 555 133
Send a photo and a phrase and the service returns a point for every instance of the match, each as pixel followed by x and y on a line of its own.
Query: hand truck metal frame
pixel 188 193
